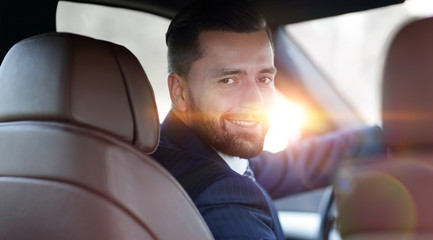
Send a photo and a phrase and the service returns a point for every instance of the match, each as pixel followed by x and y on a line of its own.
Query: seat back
pixel 391 198
pixel 77 120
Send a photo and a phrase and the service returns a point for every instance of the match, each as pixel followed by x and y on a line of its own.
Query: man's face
pixel 230 91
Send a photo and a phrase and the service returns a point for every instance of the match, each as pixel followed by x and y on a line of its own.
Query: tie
pixel 249 173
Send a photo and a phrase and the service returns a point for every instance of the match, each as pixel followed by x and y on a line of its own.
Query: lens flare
pixel 288 118
pixel 387 196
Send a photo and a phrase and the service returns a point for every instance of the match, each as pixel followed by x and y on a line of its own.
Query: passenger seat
pixel 391 198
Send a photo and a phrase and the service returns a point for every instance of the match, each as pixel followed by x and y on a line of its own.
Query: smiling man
pixel 221 83
pixel 228 91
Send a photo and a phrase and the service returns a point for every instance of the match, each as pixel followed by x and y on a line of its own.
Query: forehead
pixel 239 50
pixel 215 41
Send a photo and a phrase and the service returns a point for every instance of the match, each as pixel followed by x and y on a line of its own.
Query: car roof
pixel 276 11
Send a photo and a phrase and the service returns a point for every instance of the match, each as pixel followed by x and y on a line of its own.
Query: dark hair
pixel 223 15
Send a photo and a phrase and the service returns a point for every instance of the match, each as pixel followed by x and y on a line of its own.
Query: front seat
pixel 391 198
pixel 77 120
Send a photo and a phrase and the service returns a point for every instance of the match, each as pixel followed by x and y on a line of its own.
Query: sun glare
pixel 419 7
pixel 287 121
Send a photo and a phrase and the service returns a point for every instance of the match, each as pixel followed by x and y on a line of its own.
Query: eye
pixel 227 81
pixel 265 80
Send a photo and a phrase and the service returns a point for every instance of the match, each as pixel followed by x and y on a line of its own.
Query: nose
pixel 251 98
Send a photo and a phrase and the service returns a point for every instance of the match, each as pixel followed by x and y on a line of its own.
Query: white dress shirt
pixel 237 164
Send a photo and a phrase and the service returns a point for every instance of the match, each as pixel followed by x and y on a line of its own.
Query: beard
pixel 214 131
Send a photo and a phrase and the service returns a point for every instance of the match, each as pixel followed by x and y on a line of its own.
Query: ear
pixel 177 89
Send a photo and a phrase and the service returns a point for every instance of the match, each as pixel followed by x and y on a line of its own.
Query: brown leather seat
pixel 77 117
pixel 391 198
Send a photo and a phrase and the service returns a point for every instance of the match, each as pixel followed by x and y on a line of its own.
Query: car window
pixel 352 48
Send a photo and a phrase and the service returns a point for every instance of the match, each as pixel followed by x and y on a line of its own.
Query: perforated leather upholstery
pixel 77 116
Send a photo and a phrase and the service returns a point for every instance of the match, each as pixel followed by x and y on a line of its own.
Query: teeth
pixel 243 123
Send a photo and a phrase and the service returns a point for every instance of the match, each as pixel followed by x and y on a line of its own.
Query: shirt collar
pixel 237 164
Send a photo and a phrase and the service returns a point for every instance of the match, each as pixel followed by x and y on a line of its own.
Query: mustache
pixel 252 116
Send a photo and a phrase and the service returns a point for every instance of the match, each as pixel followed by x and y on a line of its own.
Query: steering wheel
pixel 327 213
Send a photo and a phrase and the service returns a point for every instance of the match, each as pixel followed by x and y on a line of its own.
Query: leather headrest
pixel 407 104
pixel 80 80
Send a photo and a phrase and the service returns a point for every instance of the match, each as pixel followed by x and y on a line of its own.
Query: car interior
pixel 395 190
pixel 80 114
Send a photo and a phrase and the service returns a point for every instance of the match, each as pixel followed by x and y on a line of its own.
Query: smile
pixel 243 123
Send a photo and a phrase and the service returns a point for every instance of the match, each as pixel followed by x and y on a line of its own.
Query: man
pixel 221 84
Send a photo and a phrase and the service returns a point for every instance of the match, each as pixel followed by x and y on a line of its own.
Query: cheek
pixel 269 99
pixel 218 104
pixel 268 95
pixel 192 96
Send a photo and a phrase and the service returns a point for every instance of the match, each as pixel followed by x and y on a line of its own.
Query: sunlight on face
pixel 287 122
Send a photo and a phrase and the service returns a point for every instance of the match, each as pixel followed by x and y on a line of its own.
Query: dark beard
pixel 215 133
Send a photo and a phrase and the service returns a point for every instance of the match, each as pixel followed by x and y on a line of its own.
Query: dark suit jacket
pixel 234 206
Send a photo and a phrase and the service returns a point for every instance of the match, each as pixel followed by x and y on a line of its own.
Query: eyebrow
pixel 225 72
pixel 271 70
